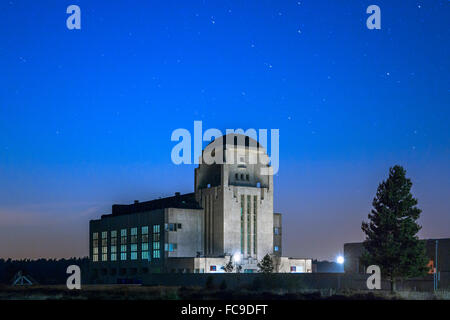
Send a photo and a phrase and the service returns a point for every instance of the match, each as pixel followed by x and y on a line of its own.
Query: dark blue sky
pixel 86 115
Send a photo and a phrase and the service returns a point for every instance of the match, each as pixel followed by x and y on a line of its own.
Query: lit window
pixel 95 236
pixel 123 256
pixel 170 247
pixel 95 257
pixel 144 247
pixel 144 230
pixel 276 248
pixel 113 256
pixel 133 238
pixel 145 255
pixel 133 255
pixel 276 231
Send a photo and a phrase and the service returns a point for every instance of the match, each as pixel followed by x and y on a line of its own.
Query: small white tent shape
pixel 21 280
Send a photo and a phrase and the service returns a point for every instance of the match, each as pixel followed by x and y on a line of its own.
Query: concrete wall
pixel 189 238
pixel 286 281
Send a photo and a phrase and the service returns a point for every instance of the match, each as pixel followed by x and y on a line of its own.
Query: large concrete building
pixel 228 217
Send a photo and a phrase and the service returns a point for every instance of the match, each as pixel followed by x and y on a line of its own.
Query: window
pixel 95 239
pixel 236 176
pixel 212 268
pixel 144 244
pixel 156 239
pixel 170 226
pixel 179 226
pixel 247 177
pixel 144 234
pixel 276 231
pixel 113 245
pixel 276 248
pixel 293 269
pixel 144 255
pixel 170 247
pixel 123 236
pixel 95 257
pixel 105 246
pixel 123 256
pixel 242 176
pixel 133 238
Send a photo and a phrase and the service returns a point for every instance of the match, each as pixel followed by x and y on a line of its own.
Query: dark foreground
pixel 136 292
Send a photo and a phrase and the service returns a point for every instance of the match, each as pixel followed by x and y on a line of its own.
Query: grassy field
pixel 136 292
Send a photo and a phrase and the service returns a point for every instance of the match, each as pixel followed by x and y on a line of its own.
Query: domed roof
pixel 235 140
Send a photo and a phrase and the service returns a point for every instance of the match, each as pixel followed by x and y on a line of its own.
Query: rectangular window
pixel 123 256
pixel 133 238
pixel 170 226
pixel 156 241
pixel 113 245
pixel 123 236
pixel 170 247
pixel 133 256
pixel 123 248
pixel 276 248
pixel 95 257
pixel 95 250
pixel 144 244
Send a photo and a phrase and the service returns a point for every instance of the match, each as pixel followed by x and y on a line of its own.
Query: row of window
pixel 123 244
pixel 242 176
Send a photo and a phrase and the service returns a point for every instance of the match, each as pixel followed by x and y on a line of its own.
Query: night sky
pixel 86 115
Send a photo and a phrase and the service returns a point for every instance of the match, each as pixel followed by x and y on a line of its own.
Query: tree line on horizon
pixel 42 271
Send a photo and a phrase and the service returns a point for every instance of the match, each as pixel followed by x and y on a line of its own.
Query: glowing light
pixel 237 257
pixel 340 259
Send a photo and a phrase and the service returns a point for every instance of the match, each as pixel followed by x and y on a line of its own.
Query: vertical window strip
pixel 255 211
pixel 249 199
pixel 242 223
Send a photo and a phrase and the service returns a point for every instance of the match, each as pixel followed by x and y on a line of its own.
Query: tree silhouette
pixel 391 233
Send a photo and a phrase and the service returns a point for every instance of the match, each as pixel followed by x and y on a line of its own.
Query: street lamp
pixel 340 259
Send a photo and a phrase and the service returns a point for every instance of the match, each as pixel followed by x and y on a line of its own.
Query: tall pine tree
pixel 391 233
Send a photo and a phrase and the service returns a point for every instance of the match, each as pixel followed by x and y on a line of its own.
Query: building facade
pixel 228 217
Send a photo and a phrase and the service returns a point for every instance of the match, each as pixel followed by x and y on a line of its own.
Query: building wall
pixel 225 233
pixel 277 234
pixel 188 238
pixel 353 251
